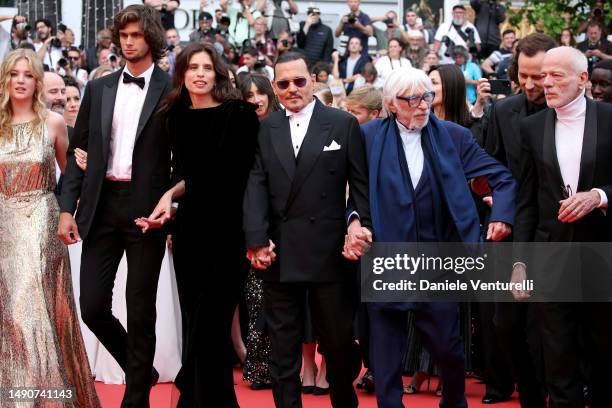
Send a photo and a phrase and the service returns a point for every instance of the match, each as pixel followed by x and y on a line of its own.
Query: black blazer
pixel 300 203
pixel 540 181
pixel 92 133
pixel 503 137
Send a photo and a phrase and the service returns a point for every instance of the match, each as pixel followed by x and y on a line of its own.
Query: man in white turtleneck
pixel 566 179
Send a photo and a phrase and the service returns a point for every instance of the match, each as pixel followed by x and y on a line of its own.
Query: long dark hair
pixel 262 83
pixel 454 94
pixel 223 89
pixel 149 20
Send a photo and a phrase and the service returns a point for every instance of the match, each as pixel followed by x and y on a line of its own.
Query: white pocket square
pixel 332 146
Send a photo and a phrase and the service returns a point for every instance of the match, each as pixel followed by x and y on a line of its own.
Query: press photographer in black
pixel 489 15
pixel 596 47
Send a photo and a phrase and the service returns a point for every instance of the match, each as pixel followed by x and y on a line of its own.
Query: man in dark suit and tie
pixel 564 185
pixel 128 170
pixel 507 345
pixel 295 228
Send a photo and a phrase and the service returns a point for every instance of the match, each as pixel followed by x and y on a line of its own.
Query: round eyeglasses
pixel 415 100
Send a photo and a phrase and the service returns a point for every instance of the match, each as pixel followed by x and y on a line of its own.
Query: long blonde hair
pixel 38 99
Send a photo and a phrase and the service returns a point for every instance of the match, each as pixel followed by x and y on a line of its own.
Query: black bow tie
pixel 127 78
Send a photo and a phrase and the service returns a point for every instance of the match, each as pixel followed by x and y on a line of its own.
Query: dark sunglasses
pixel 283 84
pixel 74 58
pixel 415 100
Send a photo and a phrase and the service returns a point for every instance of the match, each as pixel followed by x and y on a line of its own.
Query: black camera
pixel 225 21
pixel 450 44
pixel 285 43
pixel 55 43
pixel 170 48
pixel 313 10
pixel 352 18
pixel 260 64
pixel 598 12
pixel 471 43
pixel 62 62
pixel 389 22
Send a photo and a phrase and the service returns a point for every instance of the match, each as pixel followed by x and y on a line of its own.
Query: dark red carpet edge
pixel 165 395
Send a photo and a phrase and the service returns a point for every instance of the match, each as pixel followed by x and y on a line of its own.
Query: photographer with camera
pixel 315 38
pixel 356 24
pixel 166 9
pixel 254 63
pixel 68 66
pixel 598 13
pixel 6 38
pixel 20 31
pixel 279 15
pixel 394 30
pixel 459 31
pixel 489 15
pixel 595 47
pixel 47 46
pixel 242 21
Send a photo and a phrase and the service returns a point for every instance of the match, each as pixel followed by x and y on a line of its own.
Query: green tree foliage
pixel 552 16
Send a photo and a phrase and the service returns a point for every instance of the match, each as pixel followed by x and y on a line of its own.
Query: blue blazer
pixel 457 159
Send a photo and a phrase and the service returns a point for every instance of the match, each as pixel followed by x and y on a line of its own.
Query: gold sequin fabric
pixel 41 346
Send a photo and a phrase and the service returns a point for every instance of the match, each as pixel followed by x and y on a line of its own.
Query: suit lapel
pixel 281 142
pixel 311 149
pixel 518 112
pixel 156 87
pixel 109 93
pixel 549 150
pixel 589 148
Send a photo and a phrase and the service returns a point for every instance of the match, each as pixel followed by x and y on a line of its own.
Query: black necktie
pixel 127 78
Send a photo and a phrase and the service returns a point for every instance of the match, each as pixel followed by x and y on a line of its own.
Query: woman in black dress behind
pixel 215 134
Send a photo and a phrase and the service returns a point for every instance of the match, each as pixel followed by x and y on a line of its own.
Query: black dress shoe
pixel 154 377
pixel 367 382
pixel 308 389
pixel 258 386
pixel 493 399
pixel 320 391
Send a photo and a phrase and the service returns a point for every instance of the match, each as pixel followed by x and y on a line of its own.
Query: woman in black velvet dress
pixel 215 134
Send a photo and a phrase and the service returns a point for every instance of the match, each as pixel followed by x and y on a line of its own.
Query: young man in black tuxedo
pixel 294 206
pixel 128 170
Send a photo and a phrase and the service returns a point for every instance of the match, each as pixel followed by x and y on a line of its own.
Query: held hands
pixel 577 206
pixel 67 229
pixel 262 257
pixel 519 275
pixel 81 158
pixel 162 213
pixel 357 241
pixel 498 230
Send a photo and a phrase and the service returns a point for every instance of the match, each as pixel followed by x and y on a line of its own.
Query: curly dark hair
pixel 223 89
pixel 150 23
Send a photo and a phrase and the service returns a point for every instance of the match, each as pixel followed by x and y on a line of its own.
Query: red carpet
pixel 162 397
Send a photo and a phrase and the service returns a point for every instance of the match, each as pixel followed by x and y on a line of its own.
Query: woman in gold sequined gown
pixel 40 340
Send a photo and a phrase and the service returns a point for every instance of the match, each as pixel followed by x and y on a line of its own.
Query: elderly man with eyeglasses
pixel 419 168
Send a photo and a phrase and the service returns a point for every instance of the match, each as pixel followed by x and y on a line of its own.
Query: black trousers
pixel 113 231
pixel 518 340
pixel 569 333
pixel 333 307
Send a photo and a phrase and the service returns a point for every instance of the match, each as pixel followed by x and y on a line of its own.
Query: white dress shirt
pixel 411 140
pixel 128 106
pixel 298 123
pixel 569 134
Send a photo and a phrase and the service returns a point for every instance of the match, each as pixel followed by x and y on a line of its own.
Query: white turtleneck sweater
pixel 569 133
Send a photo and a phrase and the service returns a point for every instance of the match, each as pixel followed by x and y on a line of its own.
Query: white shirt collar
pixel 405 131
pixel 306 110
pixel 146 75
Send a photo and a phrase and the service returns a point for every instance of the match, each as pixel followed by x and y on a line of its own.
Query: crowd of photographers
pixel 251 34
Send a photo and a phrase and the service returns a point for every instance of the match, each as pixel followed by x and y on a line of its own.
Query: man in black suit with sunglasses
pixel 295 227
